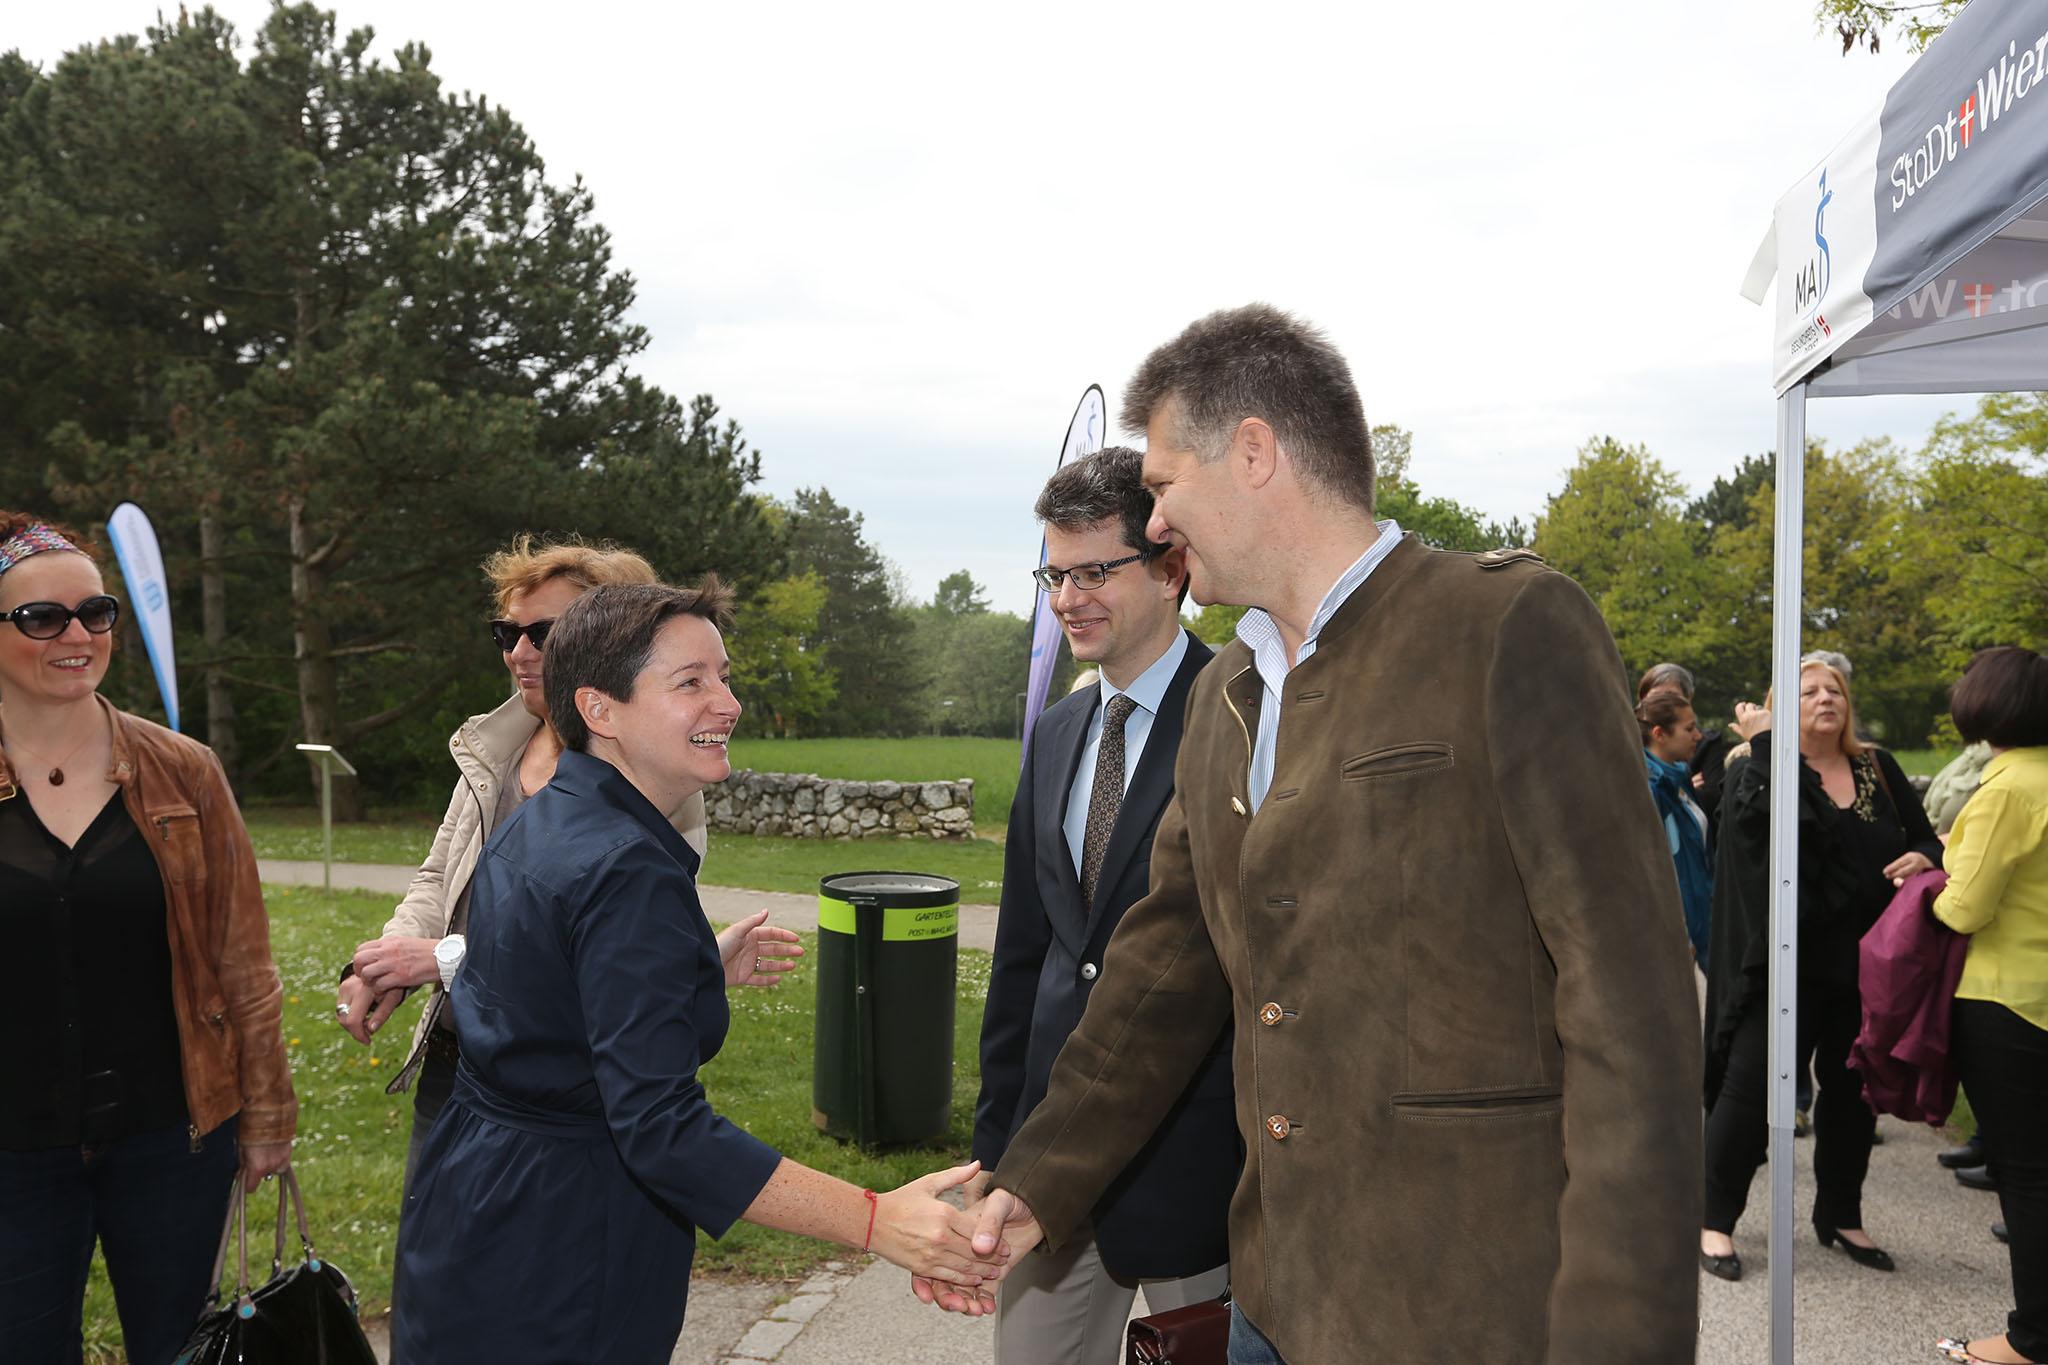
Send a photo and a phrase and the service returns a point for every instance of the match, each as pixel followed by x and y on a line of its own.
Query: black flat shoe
pixel 1727 1267
pixel 1976 1178
pixel 1998 1231
pixel 1877 1258
pixel 1970 1153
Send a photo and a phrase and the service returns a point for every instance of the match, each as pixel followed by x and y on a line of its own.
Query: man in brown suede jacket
pixel 1412 857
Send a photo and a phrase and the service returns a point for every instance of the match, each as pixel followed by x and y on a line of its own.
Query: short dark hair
pixel 1109 483
pixel 604 638
pixel 2002 698
pixel 1257 361
pixel 1660 713
pixel 1657 675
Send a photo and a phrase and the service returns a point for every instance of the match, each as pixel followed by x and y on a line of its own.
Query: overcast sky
pixel 896 242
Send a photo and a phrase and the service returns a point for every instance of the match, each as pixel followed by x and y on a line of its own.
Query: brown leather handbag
pixel 1196 1335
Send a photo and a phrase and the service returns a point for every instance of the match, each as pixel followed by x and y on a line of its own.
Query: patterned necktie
pixel 1105 795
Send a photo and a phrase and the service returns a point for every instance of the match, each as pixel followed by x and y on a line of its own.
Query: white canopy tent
pixel 1914 259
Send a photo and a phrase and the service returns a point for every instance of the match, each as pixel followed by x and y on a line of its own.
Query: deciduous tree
pixel 779 667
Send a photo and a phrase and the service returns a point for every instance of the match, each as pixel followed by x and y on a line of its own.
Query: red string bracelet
pixel 872 1204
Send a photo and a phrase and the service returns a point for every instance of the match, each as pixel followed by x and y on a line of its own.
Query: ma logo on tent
pixel 1810 284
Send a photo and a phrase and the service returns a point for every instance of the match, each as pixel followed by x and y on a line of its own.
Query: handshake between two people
pixel 994 1230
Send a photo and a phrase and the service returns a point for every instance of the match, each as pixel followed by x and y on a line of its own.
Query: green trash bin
pixel 887 968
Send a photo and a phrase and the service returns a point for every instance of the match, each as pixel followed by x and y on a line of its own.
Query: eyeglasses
pixel 507 633
pixel 1087 577
pixel 48 620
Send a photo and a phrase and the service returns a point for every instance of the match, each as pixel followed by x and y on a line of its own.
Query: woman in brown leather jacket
pixel 146 1058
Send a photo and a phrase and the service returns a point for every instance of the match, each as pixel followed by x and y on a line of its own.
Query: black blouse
pixel 93 1049
pixel 1843 852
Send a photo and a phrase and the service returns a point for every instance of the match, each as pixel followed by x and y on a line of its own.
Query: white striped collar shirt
pixel 1269 655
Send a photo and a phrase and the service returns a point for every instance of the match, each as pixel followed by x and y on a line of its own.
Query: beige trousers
pixel 1068 1309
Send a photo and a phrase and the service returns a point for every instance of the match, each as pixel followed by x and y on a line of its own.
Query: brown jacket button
pixel 1237 805
pixel 1278 1126
pixel 1269 1013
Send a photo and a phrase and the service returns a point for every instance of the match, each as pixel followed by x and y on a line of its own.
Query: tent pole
pixel 1786 615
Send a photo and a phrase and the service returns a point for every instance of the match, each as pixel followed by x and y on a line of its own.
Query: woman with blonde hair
pixel 144 1022
pixel 504 757
pixel 1861 832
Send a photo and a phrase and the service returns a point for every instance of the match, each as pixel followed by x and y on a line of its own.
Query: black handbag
pixel 1196 1335
pixel 304 1316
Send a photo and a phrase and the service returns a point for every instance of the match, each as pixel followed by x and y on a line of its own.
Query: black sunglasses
pixel 507 633
pixel 48 620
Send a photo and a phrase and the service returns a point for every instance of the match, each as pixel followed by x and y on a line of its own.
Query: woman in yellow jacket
pixel 1998 894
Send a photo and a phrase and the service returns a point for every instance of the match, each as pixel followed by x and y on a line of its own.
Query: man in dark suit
pixel 1098 774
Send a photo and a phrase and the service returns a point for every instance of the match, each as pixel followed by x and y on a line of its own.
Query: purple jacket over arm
pixel 1909 964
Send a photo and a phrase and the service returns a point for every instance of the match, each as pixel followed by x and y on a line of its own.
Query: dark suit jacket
pixel 1167 1215
pixel 1450 938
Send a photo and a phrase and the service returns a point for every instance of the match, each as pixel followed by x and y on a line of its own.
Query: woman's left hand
pixel 1906 865
pixel 756 953
pixel 261 1160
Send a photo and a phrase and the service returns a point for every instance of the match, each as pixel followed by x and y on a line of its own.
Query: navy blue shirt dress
pixel 554 1214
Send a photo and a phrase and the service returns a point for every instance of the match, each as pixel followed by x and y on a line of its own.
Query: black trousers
pixel 154 1205
pixel 1738 1126
pixel 2002 1061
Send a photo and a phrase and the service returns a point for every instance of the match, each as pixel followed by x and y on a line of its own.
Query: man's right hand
pixel 1003 1218
pixel 361 1011
pixel 1002 1221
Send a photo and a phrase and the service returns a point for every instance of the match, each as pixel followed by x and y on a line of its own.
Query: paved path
pixel 1952 1277
pixel 723 904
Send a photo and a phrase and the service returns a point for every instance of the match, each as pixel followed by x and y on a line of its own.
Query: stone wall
pixel 806 806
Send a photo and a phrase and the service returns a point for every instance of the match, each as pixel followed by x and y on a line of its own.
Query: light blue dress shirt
pixel 1147 692
pixel 1269 655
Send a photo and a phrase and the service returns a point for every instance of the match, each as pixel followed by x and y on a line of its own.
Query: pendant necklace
pixel 56 773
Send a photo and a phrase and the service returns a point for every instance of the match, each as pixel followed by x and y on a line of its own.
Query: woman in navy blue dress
pixel 555 1210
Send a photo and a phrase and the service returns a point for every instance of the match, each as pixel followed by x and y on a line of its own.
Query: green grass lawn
pixel 759 864
pixel 402 837
pixel 1924 762
pixel 350 1154
pixel 767 863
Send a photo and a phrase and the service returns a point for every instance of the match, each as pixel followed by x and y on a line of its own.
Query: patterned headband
pixel 33 541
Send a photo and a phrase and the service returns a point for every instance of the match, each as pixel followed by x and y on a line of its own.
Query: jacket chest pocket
pixel 173 835
pixel 1483 1102
pixel 1399 762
